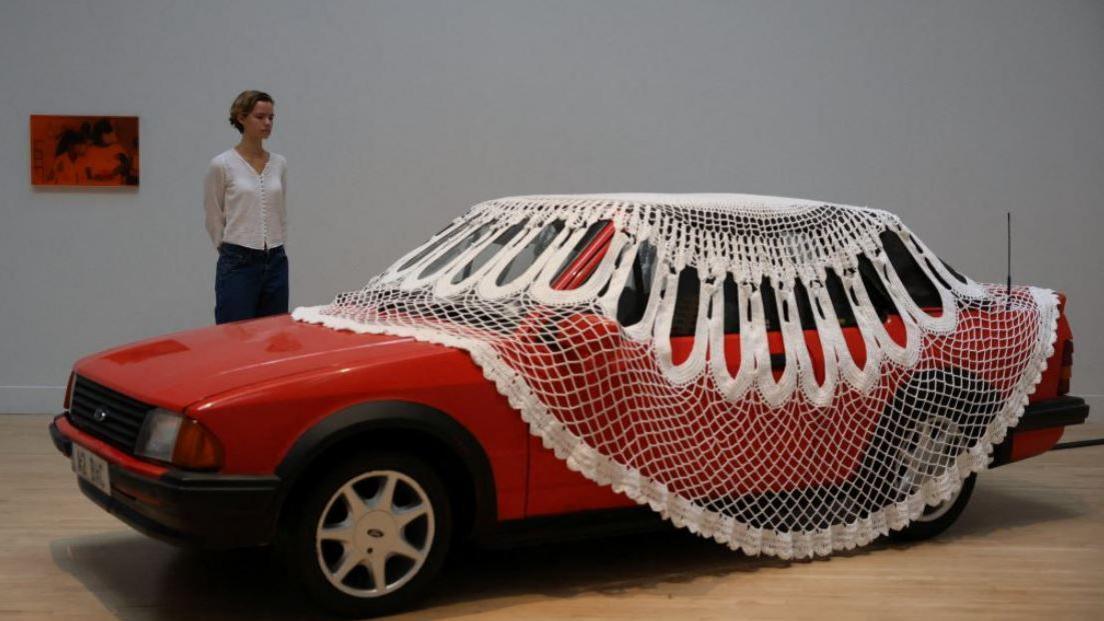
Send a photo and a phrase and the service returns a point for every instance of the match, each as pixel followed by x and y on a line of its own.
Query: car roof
pixel 727 201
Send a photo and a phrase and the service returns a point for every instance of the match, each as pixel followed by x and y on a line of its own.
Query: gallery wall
pixel 396 116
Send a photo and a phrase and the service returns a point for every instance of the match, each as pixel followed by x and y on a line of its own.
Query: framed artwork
pixel 84 151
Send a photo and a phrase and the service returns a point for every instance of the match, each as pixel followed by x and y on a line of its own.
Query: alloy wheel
pixel 375 533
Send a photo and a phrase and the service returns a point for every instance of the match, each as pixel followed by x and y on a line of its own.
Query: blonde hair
pixel 243 104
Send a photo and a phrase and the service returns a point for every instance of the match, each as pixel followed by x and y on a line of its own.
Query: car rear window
pixel 489 252
pixel 431 247
pixel 931 268
pixel 450 255
pixel 917 283
pixel 875 289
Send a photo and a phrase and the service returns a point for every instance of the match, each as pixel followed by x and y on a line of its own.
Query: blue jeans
pixel 250 283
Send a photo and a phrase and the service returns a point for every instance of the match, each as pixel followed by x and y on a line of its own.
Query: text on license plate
pixel 91 468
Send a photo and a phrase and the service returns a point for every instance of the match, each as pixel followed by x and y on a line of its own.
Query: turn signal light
pixel 196 447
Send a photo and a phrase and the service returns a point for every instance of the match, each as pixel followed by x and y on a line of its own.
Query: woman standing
pixel 244 201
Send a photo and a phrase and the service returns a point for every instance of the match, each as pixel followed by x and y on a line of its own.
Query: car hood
pixel 176 370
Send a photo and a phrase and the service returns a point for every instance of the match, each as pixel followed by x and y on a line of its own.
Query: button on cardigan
pixel 242 206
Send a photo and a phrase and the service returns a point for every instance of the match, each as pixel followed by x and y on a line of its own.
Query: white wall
pixel 395 116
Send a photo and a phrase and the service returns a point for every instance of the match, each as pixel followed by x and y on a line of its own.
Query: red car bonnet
pixel 175 370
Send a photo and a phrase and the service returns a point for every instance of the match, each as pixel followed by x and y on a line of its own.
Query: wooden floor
pixel 1029 546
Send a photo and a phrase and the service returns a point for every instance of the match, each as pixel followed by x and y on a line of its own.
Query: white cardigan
pixel 243 207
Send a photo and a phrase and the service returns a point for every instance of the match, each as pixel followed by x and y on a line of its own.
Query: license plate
pixel 91 468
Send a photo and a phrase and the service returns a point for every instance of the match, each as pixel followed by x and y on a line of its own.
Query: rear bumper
pixel 1040 428
pixel 184 508
pixel 1056 412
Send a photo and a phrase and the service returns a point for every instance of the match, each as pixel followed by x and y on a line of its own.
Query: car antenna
pixel 1008 298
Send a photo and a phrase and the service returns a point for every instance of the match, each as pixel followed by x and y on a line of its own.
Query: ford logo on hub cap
pixel 100 415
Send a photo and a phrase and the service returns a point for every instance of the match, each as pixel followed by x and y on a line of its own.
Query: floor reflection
pixel 138 578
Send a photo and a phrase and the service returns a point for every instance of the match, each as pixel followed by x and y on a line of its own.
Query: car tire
pixel 402 529
pixel 960 403
pixel 935 520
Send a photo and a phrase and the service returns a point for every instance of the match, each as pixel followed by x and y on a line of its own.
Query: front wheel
pixel 371 535
pixel 935 520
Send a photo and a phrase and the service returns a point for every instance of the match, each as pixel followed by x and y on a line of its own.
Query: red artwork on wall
pixel 84 151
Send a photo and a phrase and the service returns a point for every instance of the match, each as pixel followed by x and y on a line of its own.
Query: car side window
pixel 638 286
pixel 685 317
pixel 920 288
pixel 770 306
pixel 840 303
pixel 804 308
pixel 587 239
pixel 532 250
pixel 731 306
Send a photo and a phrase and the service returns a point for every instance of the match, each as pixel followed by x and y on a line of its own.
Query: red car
pixel 366 455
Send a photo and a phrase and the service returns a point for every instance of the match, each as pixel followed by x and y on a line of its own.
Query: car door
pixel 554 488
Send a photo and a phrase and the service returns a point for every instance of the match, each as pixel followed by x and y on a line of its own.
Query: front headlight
pixel 69 390
pixel 157 440
pixel 170 437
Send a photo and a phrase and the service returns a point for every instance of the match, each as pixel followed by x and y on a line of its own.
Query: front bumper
pixel 183 508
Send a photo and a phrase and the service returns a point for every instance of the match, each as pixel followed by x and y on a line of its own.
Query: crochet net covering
pixel 787 377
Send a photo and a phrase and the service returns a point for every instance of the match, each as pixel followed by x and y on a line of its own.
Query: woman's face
pixel 258 123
